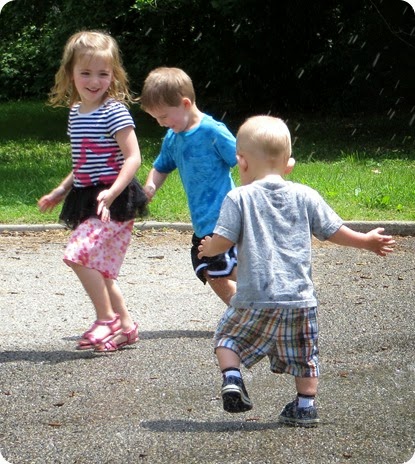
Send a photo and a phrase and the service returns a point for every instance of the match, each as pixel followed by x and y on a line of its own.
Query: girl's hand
pixel 49 201
pixel 104 200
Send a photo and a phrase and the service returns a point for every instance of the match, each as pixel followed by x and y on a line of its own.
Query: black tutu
pixel 81 204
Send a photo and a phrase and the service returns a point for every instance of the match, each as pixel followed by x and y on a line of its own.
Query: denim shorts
pixel 289 337
pixel 216 266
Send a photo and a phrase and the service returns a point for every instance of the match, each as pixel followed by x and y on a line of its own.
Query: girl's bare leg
pixel 118 304
pixel 95 286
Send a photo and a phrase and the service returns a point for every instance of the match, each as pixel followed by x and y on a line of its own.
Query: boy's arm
pixel 155 180
pixel 373 240
pixel 212 246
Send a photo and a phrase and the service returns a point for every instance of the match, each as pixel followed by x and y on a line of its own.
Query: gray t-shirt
pixel 272 223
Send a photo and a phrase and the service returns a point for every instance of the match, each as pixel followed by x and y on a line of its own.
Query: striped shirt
pixel 96 156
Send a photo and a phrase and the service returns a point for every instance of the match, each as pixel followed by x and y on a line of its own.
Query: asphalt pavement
pixel 159 401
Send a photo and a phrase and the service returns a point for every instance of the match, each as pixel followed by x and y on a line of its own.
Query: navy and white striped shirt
pixel 96 156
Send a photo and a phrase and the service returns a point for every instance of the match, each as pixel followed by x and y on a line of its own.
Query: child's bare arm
pixel 373 240
pixel 212 246
pixel 155 180
pixel 58 194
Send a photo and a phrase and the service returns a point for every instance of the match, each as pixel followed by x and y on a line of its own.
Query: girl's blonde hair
pixel 89 43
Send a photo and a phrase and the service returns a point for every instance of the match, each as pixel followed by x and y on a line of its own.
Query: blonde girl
pixel 101 194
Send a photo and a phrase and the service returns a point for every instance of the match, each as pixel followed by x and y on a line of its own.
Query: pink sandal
pixel 131 337
pixel 89 340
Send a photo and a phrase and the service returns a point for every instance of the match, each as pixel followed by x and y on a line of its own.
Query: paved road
pixel 159 402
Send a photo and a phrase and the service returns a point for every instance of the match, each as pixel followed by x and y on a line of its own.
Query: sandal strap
pixel 102 323
pixel 111 346
pixel 90 338
pixel 131 334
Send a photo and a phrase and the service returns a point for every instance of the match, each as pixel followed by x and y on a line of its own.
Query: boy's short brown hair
pixel 166 87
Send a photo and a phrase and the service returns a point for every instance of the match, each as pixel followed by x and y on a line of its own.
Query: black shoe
pixel 299 417
pixel 234 395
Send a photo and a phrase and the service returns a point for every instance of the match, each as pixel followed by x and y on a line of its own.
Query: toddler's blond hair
pixel 264 135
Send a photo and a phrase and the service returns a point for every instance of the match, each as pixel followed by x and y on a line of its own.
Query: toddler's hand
pixel 203 247
pixel 379 243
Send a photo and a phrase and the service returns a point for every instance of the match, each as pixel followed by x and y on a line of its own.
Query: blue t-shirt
pixel 204 156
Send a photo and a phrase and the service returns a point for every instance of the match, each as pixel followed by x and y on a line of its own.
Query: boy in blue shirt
pixel 204 151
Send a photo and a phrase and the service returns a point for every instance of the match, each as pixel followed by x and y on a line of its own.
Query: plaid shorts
pixel 289 337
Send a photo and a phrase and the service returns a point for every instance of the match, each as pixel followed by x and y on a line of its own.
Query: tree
pixel 244 56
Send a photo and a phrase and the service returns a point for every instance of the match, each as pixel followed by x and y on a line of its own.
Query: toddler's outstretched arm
pixel 374 240
pixel 212 246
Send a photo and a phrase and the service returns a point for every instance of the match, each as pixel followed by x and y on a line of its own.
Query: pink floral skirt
pixel 99 245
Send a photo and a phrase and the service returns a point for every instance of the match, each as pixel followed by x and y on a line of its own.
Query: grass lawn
pixel 364 166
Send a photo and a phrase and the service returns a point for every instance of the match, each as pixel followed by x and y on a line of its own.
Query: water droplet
pixel 363 44
pixel 412 120
pixel 295 139
pixel 351 80
pixel 376 60
pixel 396 86
pixel 223 116
pixel 207 85
pixel 237 28
pixel 199 36
pixel 300 74
pixel 367 76
pixel 381 91
pixel 238 68
pixel 148 31
pixel 321 59
pixel 392 115
pixel 297 127
pixel 393 136
pixel 356 68
pixel 354 132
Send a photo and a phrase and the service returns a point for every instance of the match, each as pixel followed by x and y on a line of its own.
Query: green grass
pixel 363 167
